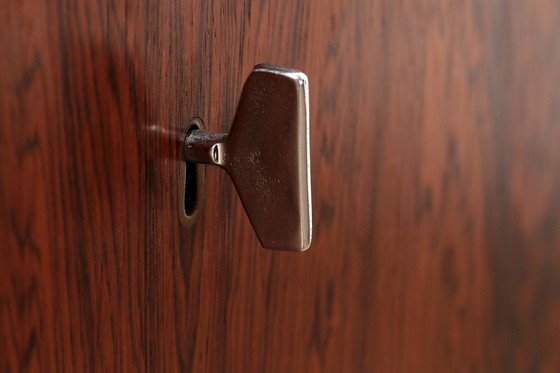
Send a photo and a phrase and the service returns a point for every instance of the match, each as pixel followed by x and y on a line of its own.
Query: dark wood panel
pixel 436 181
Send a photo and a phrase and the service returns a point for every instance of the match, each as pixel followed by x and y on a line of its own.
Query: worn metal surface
pixel 266 155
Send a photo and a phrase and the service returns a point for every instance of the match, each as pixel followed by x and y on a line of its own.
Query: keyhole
pixel 191 183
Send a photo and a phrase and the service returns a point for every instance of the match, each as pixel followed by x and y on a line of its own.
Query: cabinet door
pixel 435 159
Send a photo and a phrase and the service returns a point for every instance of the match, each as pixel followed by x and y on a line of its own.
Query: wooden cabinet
pixel 435 165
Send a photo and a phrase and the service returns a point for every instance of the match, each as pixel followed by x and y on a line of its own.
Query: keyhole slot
pixel 191 190
pixel 192 180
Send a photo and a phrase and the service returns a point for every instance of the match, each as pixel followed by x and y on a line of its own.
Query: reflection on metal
pixel 266 154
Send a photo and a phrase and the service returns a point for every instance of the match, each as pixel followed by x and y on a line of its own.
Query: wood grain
pixel 436 181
